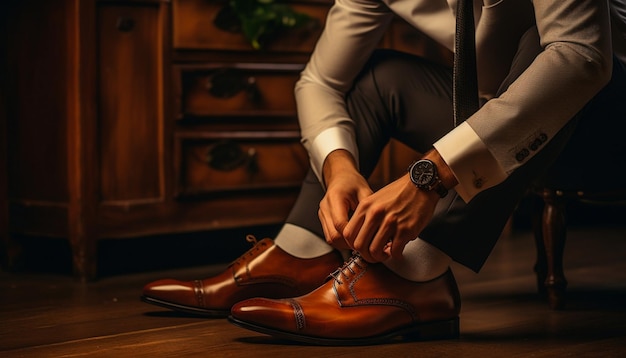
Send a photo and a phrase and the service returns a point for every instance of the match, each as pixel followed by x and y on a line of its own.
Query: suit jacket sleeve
pixel 573 62
pixel 353 30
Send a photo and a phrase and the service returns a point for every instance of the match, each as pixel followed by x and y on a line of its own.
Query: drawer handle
pixel 228 82
pixel 226 155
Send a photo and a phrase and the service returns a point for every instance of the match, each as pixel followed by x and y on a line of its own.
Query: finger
pixel 387 248
pixel 352 228
pixel 339 213
pixel 397 247
pixel 332 236
pixel 365 236
pixel 327 233
pixel 382 239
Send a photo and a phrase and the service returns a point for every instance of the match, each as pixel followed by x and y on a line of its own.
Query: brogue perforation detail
pixel 341 272
pixel 374 301
pixel 252 252
pixel 199 292
pixel 298 314
pixel 356 279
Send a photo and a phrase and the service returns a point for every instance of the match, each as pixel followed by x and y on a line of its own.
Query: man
pixel 541 67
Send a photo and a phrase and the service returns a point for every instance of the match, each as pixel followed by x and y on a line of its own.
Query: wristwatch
pixel 423 174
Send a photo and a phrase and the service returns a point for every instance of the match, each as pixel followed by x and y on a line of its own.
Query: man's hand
pixel 345 188
pixel 384 222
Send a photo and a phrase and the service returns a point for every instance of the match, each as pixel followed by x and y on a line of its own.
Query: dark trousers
pixel 408 98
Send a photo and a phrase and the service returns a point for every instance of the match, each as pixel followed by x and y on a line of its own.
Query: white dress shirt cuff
pixel 471 162
pixel 328 141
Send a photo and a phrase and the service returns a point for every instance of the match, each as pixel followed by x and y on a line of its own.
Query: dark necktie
pixel 465 86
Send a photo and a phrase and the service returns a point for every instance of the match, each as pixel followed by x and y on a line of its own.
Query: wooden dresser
pixel 136 118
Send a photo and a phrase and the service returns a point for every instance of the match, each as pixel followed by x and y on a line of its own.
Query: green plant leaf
pixel 261 20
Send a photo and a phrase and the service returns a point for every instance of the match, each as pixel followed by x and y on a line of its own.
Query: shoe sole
pixel 186 309
pixel 448 329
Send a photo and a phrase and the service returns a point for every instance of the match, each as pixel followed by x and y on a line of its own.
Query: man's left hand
pixel 384 222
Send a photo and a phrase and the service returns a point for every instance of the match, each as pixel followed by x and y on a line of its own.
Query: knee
pixel 378 76
pixel 387 60
pixel 384 64
pixel 390 72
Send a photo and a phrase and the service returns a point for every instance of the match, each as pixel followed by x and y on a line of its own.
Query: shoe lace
pixel 251 238
pixel 346 270
pixel 256 246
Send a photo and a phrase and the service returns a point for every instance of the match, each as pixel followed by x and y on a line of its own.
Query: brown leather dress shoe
pixel 361 304
pixel 264 271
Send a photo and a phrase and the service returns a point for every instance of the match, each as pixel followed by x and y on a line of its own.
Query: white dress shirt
pixel 573 65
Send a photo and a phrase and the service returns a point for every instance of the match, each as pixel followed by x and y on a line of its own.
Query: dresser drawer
pixel 227 90
pixel 197 26
pixel 218 162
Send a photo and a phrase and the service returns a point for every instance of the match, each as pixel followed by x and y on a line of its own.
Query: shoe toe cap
pixel 276 313
pixel 171 291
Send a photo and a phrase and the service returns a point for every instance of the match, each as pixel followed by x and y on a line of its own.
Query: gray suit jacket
pixel 573 62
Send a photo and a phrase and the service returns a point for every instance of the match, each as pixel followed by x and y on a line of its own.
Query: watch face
pixel 422 173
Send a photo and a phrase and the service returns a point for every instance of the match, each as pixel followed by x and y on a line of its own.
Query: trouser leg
pixel 381 116
pixel 468 232
pixel 304 212
pixel 407 98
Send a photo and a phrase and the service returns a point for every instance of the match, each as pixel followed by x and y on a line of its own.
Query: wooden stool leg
pixel 541 263
pixel 554 232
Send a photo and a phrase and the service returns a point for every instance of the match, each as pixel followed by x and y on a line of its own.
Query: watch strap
pixel 439 188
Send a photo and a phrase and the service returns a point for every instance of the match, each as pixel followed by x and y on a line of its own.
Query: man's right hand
pixel 345 188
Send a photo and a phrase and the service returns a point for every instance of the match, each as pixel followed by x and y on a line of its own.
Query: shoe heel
pixel 436 330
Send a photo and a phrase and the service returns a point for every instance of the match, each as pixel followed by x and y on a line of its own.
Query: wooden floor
pixel 51 315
